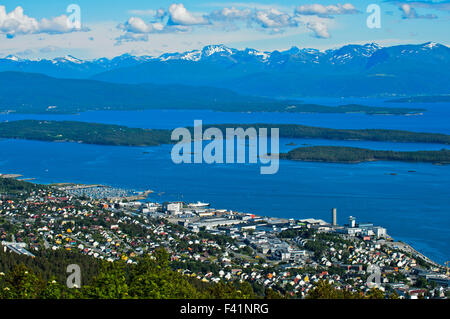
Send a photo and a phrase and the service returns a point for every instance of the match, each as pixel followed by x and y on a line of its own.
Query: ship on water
pixel 198 205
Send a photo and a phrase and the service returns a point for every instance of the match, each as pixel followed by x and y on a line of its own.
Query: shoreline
pixel 143 195
pixel 410 249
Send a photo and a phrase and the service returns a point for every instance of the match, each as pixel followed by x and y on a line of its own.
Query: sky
pixel 90 29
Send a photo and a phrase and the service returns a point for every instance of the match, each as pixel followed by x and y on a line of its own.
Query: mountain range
pixel 351 70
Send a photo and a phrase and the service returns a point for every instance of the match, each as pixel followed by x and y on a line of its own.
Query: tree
pixel 272 294
pixel 21 283
pixel 375 293
pixel 109 284
pixel 324 290
pixel 152 278
pixel 223 290
pixel 55 290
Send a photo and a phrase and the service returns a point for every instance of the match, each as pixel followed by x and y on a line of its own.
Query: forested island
pixel 108 134
pixel 342 154
pixel 81 132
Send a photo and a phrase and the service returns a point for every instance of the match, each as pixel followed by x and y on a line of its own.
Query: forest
pixel 341 154
pixel 152 277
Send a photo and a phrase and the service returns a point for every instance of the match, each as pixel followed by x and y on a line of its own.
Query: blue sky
pixel 40 29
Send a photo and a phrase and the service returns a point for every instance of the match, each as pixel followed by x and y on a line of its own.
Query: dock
pixel 15 176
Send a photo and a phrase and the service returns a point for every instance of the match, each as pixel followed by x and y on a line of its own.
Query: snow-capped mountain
pixel 69 66
pixel 401 67
pixel 68 59
pixel 342 55
pixel 348 53
pixel 13 58
pixel 198 55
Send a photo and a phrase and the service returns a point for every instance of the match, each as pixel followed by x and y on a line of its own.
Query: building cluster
pixel 216 244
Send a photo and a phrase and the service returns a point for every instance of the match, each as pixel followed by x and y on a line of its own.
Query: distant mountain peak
pixel 253 52
pixel 373 45
pixel 12 57
pixel 431 45
pixel 68 59
pixel 212 49
pixel 292 50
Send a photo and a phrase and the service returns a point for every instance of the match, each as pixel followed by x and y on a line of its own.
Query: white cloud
pixel 137 25
pixel 16 22
pixel 320 29
pixel 178 19
pixel 434 5
pixel 137 29
pixel 326 11
pixel 248 5
pixel 131 37
pixel 179 15
pixel 410 13
pixel 143 12
pixel 274 18
pixel 227 14
pixel 49 48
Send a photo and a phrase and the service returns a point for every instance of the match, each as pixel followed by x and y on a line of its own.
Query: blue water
pixel 413 206
pixel 434 120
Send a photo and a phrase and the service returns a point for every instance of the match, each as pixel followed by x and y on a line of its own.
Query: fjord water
pixel 434 120
pixel 413 204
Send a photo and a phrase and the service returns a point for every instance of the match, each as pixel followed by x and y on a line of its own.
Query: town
pixel 212 245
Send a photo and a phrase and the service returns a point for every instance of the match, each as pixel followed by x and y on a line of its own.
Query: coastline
pixel 143 195
pixel 410 249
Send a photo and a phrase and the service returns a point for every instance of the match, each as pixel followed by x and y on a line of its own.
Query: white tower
pixel 334 216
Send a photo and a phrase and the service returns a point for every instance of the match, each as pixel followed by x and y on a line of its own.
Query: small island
pixel 352 155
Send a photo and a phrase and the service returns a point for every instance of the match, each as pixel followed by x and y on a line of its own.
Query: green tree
pixel 272 294
pixel 109 284
pixel 375 293
pixel 55 290
pixel 324 290
pixel 21 283
pixel 152 278
pixel 223 290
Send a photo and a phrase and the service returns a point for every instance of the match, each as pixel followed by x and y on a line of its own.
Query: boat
pixel 199 204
